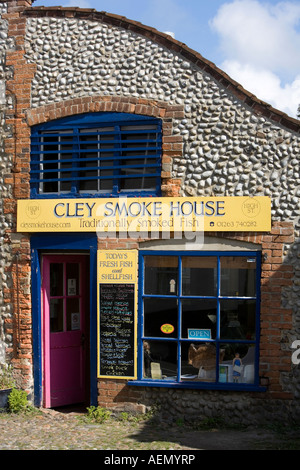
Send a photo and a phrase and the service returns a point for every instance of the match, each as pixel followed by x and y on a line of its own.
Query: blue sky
pixel 257 42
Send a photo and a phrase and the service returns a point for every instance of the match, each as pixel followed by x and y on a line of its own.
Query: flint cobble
pixel 52 430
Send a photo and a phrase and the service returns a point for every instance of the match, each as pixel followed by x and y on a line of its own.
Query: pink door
pixel 64 306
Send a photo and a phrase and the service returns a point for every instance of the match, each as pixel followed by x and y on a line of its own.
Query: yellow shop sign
pixel 157 214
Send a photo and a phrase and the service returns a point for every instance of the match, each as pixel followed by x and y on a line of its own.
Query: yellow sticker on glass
pixel 167 328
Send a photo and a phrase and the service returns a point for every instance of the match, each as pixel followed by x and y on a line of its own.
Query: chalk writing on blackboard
pixel 117 330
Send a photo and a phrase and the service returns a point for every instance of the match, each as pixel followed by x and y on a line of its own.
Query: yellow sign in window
pixel 117 314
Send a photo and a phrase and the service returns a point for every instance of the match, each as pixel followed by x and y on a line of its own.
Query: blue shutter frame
pixel 73 125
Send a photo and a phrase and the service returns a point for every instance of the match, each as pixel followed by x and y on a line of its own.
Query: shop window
pixel 103 154
pixel 199 319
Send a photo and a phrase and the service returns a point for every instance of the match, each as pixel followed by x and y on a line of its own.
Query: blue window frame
pixel 199 319
pixel 96 154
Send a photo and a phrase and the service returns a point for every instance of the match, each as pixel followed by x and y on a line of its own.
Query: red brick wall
pixel 275 319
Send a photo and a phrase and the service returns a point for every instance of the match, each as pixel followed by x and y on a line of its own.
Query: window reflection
pixel 238 319
pixel 160 313
pixel 199 276
pixel 199 318
pixel 161 275
pixel 56 279
pixel 73 314
pixel 72 271
pixel 238 276
pixel 56 315
pixel 160 360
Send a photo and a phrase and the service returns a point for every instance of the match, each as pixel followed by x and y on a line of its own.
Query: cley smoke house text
pixel 140 208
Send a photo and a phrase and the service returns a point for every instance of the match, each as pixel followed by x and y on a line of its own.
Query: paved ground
pixel 52 430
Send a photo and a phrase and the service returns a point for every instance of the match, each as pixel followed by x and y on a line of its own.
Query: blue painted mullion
pixel 160 338
pixel 218 298
pixel 36 153
pixel 75 165
pixel 141 317
pixel 76 161
pixel 83 178
pixel 179 293
pixel 35 163
pixel 37 328
pixel 218 332
pixel 116 171
pixel 159 157
pixel 257 318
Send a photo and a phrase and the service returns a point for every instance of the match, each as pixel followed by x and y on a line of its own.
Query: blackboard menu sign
pixel 117 323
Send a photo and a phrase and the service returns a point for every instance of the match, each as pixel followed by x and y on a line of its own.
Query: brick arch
pixel 90 104
pixel 172 144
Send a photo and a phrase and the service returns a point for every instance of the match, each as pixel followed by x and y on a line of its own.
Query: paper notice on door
pixel 71 286
pixel 75 321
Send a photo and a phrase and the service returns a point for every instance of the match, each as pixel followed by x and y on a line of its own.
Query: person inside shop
pixel 147 359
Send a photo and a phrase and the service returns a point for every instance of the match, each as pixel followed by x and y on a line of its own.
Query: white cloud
pixel 266 85
pixel 262 34
pixel 261 44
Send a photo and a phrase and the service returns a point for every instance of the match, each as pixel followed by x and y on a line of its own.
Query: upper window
pixel 199 319
pixel 103 154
